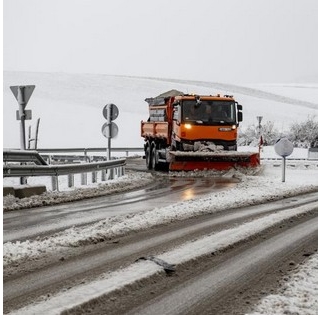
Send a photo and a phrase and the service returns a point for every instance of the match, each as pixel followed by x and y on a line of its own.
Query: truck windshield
pixel 209 112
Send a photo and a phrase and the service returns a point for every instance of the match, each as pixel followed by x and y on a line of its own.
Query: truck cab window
pixel 209 112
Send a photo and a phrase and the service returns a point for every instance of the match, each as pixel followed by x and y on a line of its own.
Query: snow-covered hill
pixel 70 105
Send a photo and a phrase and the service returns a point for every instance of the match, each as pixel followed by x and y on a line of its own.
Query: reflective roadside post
pixel 284 148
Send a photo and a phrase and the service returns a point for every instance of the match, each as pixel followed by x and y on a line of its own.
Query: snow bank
pixel 298 294
pixel 121 184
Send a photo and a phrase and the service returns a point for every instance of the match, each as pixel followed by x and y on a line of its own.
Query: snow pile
pixel 121 184
pixel 225 238
pixel 299 293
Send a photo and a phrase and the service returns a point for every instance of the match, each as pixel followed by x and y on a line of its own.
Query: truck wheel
pixel 154 157
pixel 148 156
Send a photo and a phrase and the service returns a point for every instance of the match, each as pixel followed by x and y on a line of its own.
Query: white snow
pixel 66 109
pixel 298 91
pixel 70 106
pixel 299 294
pixel 78 192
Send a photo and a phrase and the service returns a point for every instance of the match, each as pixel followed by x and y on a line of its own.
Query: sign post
pixel 284 148
pixel 22 94
pixel 110 129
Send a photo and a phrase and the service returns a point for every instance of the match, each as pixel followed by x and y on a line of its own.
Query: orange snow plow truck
pixel 194 132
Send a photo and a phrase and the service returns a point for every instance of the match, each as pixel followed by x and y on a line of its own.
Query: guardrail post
pixel 111 173
pixel 94 177
pixel 55 183
pixel 103 175
pixel 121 171
pixel 23 180
pixel 83 178
pixel 70 180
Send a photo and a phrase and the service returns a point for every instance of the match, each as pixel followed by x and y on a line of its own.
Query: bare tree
pixel 251 135
pixel 305 134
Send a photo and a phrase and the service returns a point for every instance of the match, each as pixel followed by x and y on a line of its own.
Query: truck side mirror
pixel 239 109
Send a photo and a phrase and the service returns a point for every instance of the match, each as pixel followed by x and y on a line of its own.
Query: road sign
pixel 283 147
pixel 26 92
pixel 112 110
pixel 110 130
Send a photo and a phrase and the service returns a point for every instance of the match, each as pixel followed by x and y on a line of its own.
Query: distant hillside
pixel 70 105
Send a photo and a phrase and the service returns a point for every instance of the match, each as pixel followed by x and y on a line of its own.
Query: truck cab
pixel 205 119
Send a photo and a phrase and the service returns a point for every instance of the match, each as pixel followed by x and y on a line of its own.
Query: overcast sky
pixel 241 41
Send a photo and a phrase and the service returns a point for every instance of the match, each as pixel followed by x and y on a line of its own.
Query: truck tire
pixel 148 156
pixel 154 157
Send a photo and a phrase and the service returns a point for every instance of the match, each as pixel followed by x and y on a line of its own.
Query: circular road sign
pixel 114 111
pixel 110 130
pixel 283 147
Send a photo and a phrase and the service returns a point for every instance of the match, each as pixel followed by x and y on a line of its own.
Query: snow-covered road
pixel 252 189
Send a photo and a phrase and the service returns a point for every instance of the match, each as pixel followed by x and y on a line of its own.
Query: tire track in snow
pixel 84 294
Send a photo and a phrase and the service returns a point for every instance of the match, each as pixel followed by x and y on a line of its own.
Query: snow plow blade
pixel 190 161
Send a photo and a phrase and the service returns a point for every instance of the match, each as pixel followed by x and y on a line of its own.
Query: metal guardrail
pixel 23 156
pixel 69 150
pixel 67 155
pixel 34 165
pixel 57 170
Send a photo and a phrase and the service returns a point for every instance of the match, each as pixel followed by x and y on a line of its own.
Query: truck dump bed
pixel 155 129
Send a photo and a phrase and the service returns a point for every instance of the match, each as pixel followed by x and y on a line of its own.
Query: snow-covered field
pixel 70 105
pixel 70 108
